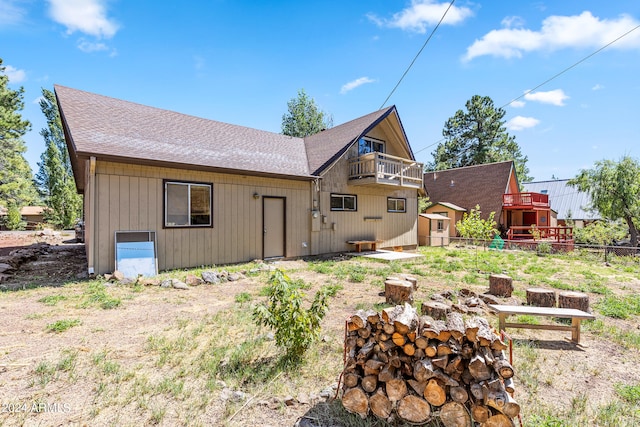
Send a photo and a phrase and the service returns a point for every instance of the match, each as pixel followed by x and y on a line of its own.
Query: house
pixel 216 193
pixel 567 201
pixel 495 188
pixel 433 229
pixel 32 215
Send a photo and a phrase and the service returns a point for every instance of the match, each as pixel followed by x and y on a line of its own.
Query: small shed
pixel 433 229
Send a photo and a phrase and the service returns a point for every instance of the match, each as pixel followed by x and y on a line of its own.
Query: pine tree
pixel 16 179
pixel 476 137
pixel 55 176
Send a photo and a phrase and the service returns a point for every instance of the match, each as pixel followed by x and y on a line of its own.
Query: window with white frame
pixel 395 204
pixel 440 226
pixel 344 202
pixel 187 204
pixel 370 145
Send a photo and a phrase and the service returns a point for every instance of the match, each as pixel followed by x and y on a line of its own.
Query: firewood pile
pixel 401 366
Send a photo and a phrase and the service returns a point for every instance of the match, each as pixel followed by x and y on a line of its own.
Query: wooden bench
pixel 358 244
pixel 503 311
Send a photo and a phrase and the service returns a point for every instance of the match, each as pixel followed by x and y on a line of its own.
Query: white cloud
pixel 557 32
pixel 521 123
pixel 15 76
pixel 86 16
pixel 422 14
pixel 512 21
pixel 517 104
pixel 88 46
pixel 553 97
pixel 355 83
pixel 597 87
pixel 38 99
pixel 11 13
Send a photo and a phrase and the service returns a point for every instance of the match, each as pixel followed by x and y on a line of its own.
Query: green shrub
pixel 62 325
pixel 296 327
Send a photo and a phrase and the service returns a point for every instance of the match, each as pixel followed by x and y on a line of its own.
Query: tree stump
pixel 406 277
pixel 398 291
pixel 435 309
pixel 571 299
pixel 500 285
pixel 539 297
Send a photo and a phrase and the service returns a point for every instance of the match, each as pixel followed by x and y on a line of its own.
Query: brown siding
pixel 130 197
pixel 370 221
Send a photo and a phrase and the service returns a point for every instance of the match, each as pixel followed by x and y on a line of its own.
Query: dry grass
pixel 153 356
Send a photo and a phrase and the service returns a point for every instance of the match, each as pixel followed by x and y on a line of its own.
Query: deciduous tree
pixel 55 177
pixel 614 188
pixel 16 179
pixel 478 136
pixel 303 118
pixel 472 226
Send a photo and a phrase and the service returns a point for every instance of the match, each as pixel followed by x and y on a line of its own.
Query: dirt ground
pixel 564 373
pixel 60 258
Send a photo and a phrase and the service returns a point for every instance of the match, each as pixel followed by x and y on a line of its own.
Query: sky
pixel 569 100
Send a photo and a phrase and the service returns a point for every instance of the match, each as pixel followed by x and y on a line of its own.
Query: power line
pixel 571 66
pixel 549 79
pixel 417 55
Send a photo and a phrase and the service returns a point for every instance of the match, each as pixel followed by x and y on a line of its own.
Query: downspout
pixel 91 209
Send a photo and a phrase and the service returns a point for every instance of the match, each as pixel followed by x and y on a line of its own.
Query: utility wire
pixel 572 66
pixel 549 79
pixel 417 55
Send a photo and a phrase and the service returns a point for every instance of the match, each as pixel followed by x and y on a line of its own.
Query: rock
pixel 177 284
pixel 489 299
pixel 5 267
pixel 108 277
pixel 127 281
pixel 192 280
pixel 234 277
pixel 210 277
pixel 82 275
pixel 305 422
pixel 166 283
pixel 118 275
pixel 238 396
pixel 289 401
pixel 303 399
pixel 147 281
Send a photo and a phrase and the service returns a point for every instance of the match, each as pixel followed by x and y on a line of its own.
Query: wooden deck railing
pixel 380 168
pixel 524 200
pixel 557 234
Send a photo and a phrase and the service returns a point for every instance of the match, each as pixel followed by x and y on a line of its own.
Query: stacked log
pixel 399 365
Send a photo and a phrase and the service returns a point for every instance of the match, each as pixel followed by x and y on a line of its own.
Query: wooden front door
pixel 273 217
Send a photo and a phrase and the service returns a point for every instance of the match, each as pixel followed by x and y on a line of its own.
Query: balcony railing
pixel 525 200
pixel 556 234
pixel 380 168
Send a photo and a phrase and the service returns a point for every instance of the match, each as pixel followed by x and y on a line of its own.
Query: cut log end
pixel 539 297
pixel 571 299
pixel 500 285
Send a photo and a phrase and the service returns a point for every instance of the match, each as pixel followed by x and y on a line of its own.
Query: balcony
pixel 379 168
pixel 554 234
pixel 525 201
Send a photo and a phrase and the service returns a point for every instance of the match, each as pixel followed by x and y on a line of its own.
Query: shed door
pixel 274 227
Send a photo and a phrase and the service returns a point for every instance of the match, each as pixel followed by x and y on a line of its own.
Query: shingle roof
pixel 451 206
pixel 469 186
pixel 564 199
pixel 32 210
pixel 326 146
pixel 112 128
